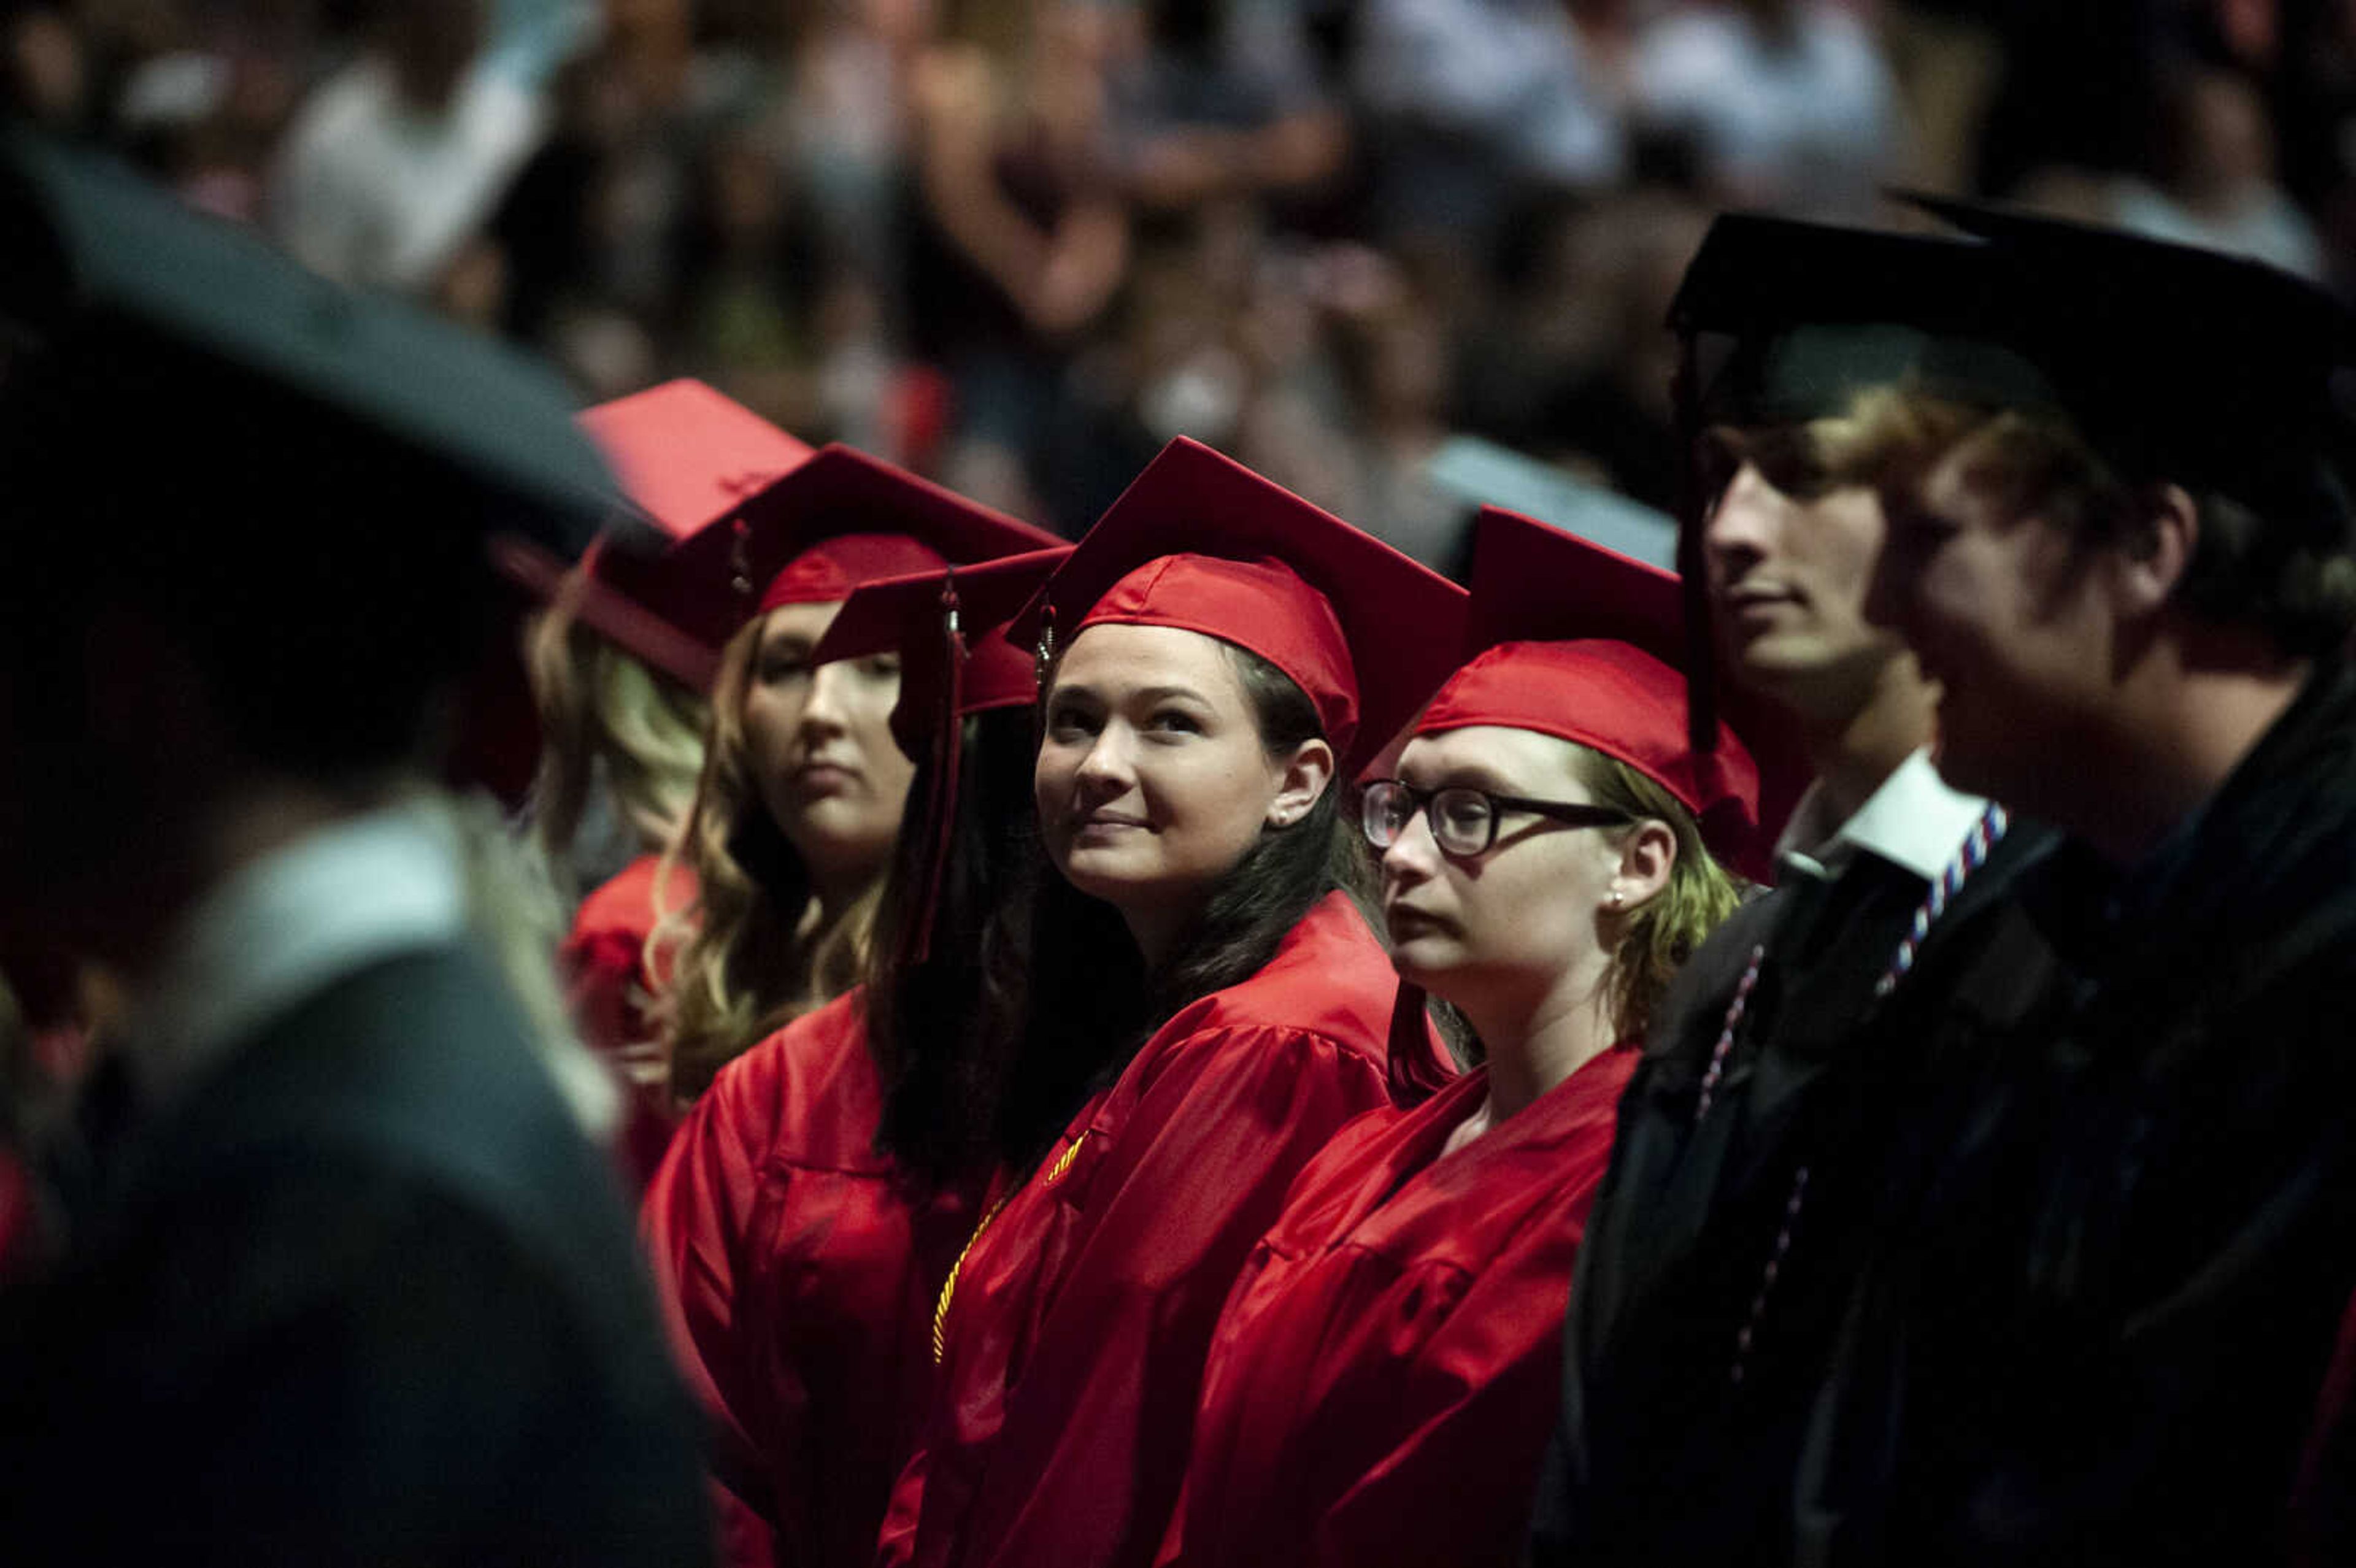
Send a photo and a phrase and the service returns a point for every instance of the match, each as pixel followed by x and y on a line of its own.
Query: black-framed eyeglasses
pixel 1464 819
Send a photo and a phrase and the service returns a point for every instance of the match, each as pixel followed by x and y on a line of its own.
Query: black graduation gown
pixel 2078 1309
pixel 1662 1456
pixel 2097 1334
pixel 367 1295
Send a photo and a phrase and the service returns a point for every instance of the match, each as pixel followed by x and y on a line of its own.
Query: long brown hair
pixel 1093 1001
pixel 943 1029
pixel 749 954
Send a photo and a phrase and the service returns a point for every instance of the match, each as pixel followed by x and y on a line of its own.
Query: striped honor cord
pixel 1969 857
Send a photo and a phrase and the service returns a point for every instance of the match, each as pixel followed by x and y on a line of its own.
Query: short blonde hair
pixel 1662 933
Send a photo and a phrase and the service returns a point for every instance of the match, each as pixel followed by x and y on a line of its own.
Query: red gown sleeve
pixel 695 1220
pixel 1088 1460
pixel 603 960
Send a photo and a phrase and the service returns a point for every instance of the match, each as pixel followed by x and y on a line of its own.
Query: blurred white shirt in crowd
pixel 2266 226
pixel 372 190
pixel 1807 120
pixel 1509 75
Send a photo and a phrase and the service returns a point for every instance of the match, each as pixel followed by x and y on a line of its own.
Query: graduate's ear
pixel 1647 855
pixel 1303 776
pixel 2152 558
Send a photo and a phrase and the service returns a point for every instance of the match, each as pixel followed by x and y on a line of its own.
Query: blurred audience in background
pixel 1017 244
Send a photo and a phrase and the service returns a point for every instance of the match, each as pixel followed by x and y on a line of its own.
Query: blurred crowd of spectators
pixel 1020 243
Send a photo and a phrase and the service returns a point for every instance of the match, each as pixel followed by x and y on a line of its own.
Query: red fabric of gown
pixel 1390 1365
pixel 1076 1334
pixel 797 1269
pixel 604 959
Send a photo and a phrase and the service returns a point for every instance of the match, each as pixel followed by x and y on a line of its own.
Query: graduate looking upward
pixel 1386 1368
pixel 805 1222
pixel 1206 1004
pixel 802 787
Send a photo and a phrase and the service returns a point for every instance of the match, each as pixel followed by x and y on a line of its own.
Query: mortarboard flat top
pixel 905 615
pixel 98 256
pixel 688 456
pixel 1533 582
pixel 1814 313
pixel 2176 363
pixel 842 494
pixel 1374 637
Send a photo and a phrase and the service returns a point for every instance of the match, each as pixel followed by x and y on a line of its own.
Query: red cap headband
pixel 1610 698
pixel 827 572
pixel 1200 542
pixel 1262 606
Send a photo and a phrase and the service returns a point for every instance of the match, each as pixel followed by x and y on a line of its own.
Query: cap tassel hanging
pixel 1419 1067
pixel 948 753
pixel 740 560
pixel 1701 651
pixel 1046 647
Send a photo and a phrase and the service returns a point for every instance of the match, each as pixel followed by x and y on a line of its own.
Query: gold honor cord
pixel 949 1287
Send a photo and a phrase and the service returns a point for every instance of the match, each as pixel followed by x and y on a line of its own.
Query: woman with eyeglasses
pixel 1388 1365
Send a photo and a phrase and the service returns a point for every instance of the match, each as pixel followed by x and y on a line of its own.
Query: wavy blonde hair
pixel 750 954
pixel 598 703
pixel 1658 936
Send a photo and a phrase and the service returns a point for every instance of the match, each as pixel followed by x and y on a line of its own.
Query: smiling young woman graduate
pixel 802 788
pixel 1386 1368
pixel 812 1205
pixel 1202 990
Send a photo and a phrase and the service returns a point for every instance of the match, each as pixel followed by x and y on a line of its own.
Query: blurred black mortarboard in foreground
pixel 302 479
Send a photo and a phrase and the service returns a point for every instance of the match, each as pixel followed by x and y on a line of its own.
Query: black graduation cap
pixel 99 261
pixel 303 479
pixel 2176 364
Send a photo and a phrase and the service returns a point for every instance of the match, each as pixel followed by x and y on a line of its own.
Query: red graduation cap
pixel 956 660
pixel 1202 543
pixel 916 614
pixel 844 519
pixel 688 458
pixel 1573 640
pixel 1576 641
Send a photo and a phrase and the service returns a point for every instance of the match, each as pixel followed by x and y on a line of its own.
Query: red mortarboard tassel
pixel 948 753
pixel 1419 1067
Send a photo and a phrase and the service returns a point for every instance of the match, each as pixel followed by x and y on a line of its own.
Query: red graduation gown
pixel 1389 1364
pixel 797 1269
pixel 1076 1337
pixel 604 959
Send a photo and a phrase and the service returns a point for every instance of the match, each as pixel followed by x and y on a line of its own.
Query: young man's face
pixel 2004 611
pixel 1789 565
